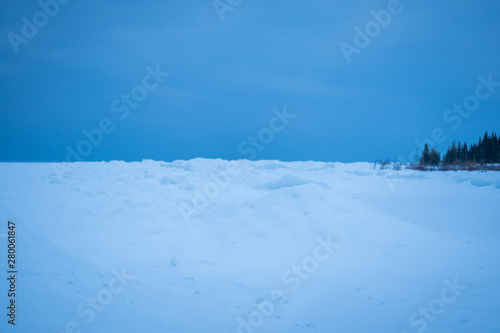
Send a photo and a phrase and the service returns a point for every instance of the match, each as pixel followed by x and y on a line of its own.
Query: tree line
pixel 464 156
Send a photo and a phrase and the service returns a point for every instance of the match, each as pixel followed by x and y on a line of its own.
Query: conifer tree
pixel 426 155
pixel 451 156
pixel 465 153
pixel 435 157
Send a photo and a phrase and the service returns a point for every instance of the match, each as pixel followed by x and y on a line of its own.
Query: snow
pixel 251 246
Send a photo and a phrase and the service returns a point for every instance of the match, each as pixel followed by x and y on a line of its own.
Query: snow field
pixel 105 247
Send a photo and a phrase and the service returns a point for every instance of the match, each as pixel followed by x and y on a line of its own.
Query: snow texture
pixel 241 246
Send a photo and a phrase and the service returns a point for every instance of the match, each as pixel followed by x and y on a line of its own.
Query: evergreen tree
pixel 430 157
pixel 494 148
pixel 475 154
pixel 451 156
pixel 465 154
pixel 487 147
pixel 460 155
pixel 480 151
pixel 426 155
pixel 435 157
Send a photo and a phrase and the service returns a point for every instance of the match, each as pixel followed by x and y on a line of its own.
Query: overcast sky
pixel 348 96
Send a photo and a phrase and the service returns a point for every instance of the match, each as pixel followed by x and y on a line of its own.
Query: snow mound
pixel 288 181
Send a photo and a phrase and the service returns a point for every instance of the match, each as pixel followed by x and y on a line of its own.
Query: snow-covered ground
pixel 241 246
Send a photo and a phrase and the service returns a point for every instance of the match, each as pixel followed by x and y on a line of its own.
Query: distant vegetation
pixel 484 155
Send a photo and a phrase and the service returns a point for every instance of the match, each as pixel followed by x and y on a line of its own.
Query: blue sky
pixel 226 77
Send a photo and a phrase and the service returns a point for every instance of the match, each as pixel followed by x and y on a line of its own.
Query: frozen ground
pixel 267 246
